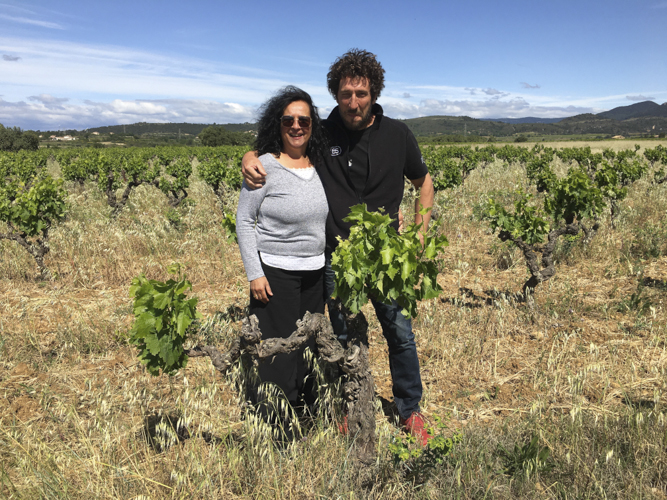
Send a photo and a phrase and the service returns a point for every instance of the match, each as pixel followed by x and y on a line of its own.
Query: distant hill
pixel 527 119
pixel 142 128
pixel 636 119
pixel 637 110
pixel 640 118
pixel 459 125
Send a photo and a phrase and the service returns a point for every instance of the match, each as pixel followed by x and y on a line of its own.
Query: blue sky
pixel 82 64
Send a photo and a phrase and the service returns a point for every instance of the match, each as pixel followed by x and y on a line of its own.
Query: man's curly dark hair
pixel 269 139
pixel 356 63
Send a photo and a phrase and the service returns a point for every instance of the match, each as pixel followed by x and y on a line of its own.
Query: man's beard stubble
pixel 364 123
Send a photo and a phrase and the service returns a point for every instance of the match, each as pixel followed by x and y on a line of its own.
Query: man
pixel 369 157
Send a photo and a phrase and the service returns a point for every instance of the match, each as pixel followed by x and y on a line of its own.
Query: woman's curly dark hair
pixel 356 63
pixel 269 139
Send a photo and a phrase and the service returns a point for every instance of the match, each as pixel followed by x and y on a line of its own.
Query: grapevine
pixel 162 317
pixel 30 209
pixel 174 179
pixel 567 204
pixel 221 172
pixel 82 167
pixel 125 171
pixel 377 262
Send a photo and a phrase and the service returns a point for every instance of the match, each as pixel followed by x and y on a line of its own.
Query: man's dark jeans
pixel 397 329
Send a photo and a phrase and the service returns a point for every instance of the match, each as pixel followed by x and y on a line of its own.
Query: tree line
pixel 15 139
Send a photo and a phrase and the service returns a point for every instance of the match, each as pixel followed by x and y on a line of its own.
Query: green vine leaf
pixel 163 315
pixel 376 261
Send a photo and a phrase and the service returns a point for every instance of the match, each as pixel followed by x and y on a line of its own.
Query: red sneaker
pixel 414 425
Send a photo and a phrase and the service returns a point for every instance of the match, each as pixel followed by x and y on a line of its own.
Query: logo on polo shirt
pixel 336 150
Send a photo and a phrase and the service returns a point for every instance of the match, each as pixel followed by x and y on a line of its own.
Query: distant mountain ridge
pixel 639 118
pixel 637 110
pixel 527 119
pixel 635 119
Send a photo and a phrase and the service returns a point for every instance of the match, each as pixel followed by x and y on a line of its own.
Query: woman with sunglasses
pixel 280 229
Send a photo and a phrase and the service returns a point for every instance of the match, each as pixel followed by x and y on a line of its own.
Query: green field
pixel 583 370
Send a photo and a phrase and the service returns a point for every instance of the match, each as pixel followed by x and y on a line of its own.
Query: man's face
pixel 355 102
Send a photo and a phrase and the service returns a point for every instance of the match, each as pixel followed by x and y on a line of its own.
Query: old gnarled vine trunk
pixel 358 386
pixel 541 269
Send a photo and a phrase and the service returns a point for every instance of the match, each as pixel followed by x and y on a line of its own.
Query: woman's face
pixel 296 135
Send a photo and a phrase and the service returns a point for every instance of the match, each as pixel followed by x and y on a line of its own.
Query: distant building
pixel 95 133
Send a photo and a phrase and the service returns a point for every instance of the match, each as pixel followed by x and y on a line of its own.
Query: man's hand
pixel 425 200
pixel 253 172
pixel 260 289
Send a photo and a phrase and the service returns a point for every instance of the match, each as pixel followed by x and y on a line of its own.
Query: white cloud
pixel 142 108
pixel 107 85
pixel 516 107
pixel 47 112
pixel 48 100
pixel 639 98
pixel 81 68
pixel 488 102
pixel 33 22
pixel 529 86
pixel 487 91
pixel 15 8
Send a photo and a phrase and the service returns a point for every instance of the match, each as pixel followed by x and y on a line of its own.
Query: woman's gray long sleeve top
pixel 287 216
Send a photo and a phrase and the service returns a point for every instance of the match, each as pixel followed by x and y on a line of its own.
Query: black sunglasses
pixel 288 121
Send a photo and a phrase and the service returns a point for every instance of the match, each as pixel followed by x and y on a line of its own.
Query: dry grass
pixel 585 370
pixel 596 146
pixel 599 146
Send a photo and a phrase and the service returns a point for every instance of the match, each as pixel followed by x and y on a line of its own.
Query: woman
pixel 280 229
